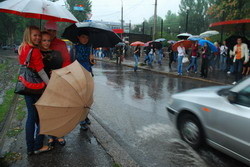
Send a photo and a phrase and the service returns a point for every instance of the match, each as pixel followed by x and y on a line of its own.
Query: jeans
pixel 180 64
pixel 238 65
pixel 136 58
pixel 151 58
pixel 193 64
pixel 223 62
pixel 160 56
pixel 34 141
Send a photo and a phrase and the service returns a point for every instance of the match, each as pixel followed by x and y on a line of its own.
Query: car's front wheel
pixel 191 131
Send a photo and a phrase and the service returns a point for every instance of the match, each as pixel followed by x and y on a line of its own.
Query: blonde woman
pixel 31 39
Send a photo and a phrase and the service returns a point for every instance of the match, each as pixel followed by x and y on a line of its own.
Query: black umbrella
pixel 232 41
pixel 100 35
pixel 156 45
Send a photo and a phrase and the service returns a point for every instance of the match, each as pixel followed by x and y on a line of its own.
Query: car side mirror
pixel 232 97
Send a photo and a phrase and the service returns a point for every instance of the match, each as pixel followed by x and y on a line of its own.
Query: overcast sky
pixel 134 10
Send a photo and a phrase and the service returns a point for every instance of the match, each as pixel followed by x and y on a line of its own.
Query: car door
pixel 231 123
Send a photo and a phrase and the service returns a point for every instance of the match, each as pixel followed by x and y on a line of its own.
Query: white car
pixel 218 116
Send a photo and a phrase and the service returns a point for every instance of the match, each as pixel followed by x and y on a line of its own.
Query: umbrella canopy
pixel 208 34
pixel 184 35
pixel 137 43
pixel 194 38
pixel 121 44
pixel 155 44
pixel 231 26
pixel 160 40
pixel 232 41
pixel 186 43
pixel 66 100
pixel 171 41
pixel 209 44
pixel 100 35
pixel 39 9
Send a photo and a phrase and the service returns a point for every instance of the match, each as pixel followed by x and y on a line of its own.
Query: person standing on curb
pixel 205 61
pixel 181 54
pixel 223 56
pixel 137 53
pixel 60 46
pixel 194 58
pixel 82 53
pixel 31 40
pixel 241 57
pixel 52 60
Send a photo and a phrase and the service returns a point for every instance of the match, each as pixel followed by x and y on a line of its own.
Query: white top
pixel 181 51
pixel 223 49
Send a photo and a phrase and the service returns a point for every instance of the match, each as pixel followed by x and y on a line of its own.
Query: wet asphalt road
pixel 132 108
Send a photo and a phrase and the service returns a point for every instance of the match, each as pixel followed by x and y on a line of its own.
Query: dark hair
pixel 83 33
pixel 45 33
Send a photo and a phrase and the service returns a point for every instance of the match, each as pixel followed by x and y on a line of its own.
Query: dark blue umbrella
pixel 100 35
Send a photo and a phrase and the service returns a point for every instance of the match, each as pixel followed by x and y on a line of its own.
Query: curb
pixel 109 144
pixel 164 73
pixel 8 121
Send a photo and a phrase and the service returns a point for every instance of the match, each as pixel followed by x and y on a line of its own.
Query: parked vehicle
pixel 16 48
pixel 218 116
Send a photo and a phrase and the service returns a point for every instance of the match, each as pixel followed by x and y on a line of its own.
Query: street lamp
pixel 187 19
pixel 169 30
pixel 179 29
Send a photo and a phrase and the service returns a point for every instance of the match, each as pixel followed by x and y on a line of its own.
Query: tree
pixel 80 15
pixel 197 15
pixel 229 9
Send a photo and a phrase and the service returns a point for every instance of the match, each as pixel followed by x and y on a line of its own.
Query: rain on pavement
pixel 132 108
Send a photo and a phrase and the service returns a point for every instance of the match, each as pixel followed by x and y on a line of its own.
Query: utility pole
pixel 161 28
pixel 143 27
pixel 155 20
pixel 121 17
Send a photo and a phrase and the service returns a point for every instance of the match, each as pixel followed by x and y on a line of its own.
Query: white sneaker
pixel 234 82
pixel 228 72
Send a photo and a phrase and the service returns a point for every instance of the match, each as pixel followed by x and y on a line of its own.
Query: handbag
pixel 29 82
pixel 185 59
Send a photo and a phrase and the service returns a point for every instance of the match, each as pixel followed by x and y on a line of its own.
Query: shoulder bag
pixel 29 82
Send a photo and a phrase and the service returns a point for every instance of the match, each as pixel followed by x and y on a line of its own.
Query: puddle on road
pixel 154 130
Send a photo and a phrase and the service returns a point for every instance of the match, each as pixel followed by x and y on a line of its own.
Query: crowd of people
pixel 49 53
pixel 234 61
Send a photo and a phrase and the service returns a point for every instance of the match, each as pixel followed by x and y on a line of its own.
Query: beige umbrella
pixel 66 100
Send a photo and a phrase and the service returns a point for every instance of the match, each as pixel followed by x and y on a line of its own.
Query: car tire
pixel 191 130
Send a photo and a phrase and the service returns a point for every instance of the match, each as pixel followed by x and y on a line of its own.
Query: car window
pixel 244 97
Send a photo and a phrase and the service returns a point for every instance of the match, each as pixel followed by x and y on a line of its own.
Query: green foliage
pixel 12 156
pixel 197 15
pixel 229 9
pixel 20 111
pixel 14 132
pixel 4 107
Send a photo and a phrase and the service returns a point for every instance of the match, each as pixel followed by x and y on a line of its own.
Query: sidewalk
pixel 215 76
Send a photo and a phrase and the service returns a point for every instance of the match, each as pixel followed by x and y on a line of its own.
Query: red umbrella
pixel 137 43
pixel 231 25
pixel 186 43
pixel 39 9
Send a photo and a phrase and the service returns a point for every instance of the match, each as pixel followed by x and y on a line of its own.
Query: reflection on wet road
pixel 132 108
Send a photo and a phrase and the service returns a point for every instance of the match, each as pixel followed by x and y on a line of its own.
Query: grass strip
pixel 4 107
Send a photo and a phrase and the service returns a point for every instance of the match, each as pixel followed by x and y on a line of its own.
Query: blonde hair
pixel 27 37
